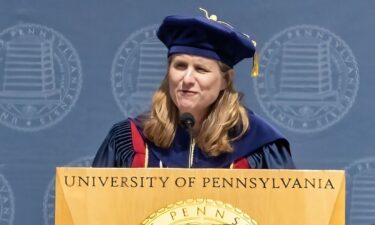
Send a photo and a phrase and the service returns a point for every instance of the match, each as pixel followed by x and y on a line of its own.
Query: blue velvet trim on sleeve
pixel 275 155
pixel 117 148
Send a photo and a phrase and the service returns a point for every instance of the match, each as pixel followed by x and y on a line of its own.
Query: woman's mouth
pixel 187 92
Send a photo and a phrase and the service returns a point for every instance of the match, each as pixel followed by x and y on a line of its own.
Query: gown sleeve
pixel 117 148
pixel 275 155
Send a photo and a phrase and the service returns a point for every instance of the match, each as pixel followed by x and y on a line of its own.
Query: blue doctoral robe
pixel 262 146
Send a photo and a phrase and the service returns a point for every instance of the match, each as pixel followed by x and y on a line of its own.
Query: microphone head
pixel 187 120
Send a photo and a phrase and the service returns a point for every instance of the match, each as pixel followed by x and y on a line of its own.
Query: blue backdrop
pixel 70 69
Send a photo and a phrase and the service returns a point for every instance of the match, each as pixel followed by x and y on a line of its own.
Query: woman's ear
pixel 228 79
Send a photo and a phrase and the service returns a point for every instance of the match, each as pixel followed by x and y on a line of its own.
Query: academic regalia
pixel 260 147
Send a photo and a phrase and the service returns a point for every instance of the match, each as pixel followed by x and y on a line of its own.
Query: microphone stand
pixel 187 121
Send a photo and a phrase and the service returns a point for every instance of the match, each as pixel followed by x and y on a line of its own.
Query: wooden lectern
pixel 121 196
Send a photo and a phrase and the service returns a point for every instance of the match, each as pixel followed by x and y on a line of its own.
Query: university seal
pixel 309 78
pixel 199 211
pixel 40 77
pixel 137 70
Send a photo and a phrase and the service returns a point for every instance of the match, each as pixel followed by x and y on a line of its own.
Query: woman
pixel 218 131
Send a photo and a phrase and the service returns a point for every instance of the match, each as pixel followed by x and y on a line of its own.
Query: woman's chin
pixel 186 108
pixel 185 105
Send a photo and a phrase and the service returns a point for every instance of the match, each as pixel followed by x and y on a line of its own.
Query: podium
pixel 129 196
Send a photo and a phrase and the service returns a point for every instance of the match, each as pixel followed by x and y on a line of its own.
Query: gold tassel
pixel 255 69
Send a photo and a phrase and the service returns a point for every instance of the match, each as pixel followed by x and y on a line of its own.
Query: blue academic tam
pixel 205 37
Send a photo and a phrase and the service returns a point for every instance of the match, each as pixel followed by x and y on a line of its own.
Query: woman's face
pixel 194 83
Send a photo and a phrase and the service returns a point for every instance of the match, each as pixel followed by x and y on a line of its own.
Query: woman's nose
pixel 189 76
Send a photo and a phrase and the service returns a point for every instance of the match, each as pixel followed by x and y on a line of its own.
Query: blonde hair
pixel 226 114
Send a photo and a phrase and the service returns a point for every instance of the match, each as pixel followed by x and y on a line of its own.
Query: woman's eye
pixel 180 66
pixel 201 70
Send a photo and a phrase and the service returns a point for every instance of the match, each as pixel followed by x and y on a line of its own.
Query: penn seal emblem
pixel 40 77
pixel 308 79
pixel 360 191
pixel 199 212
pixel 137 70
pixel 6 202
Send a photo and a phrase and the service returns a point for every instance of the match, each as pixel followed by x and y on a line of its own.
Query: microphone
pixel 187 120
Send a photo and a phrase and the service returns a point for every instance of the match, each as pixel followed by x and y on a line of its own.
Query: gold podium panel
pixel 125 196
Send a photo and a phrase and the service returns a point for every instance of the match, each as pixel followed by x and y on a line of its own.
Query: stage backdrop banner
pixel 87 196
